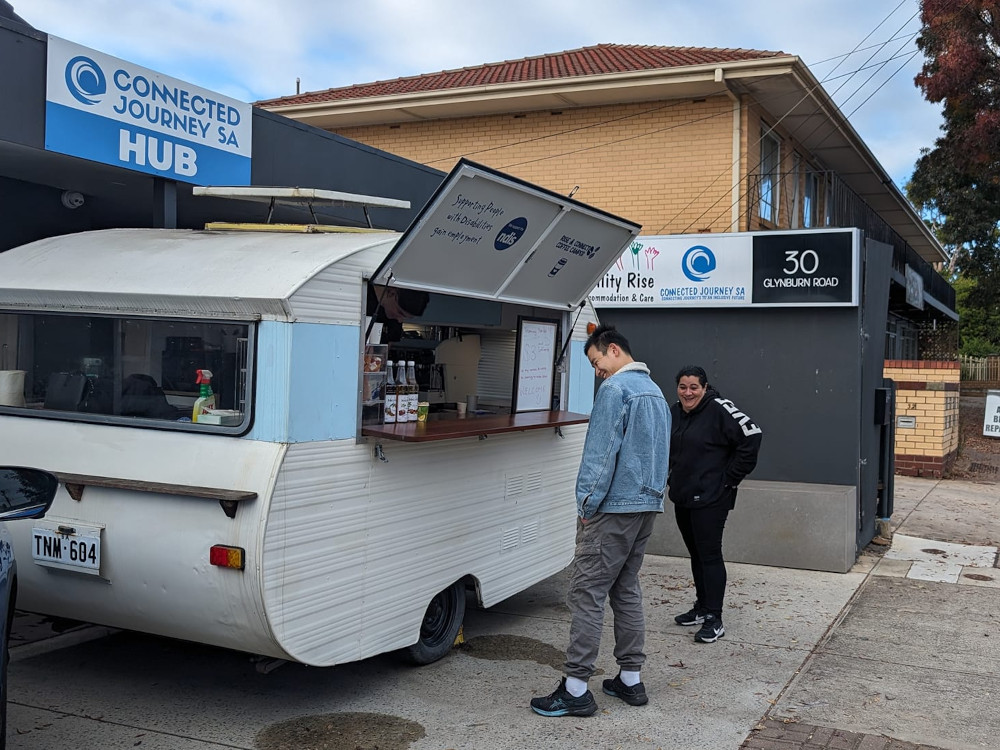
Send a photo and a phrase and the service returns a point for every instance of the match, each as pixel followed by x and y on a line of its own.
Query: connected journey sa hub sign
pixel 108 110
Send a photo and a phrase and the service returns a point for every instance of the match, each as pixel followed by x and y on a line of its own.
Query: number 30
pixel 807 262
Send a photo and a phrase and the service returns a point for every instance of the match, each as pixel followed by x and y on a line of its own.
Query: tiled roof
pixel 587 61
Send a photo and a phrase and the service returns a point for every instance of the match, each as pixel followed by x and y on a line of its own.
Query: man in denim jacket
pixel 619 491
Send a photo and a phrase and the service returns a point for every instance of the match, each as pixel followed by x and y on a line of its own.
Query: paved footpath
pixel 776 735
pixel 891 666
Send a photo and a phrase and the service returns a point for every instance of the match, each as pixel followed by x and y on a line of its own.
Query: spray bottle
pixel 206 398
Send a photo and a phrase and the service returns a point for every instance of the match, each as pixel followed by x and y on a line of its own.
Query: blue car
pixel 24 493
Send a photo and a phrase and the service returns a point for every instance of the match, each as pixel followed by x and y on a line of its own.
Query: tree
pixel 958 181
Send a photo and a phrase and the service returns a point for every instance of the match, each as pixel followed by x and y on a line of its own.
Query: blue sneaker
pixel 561 703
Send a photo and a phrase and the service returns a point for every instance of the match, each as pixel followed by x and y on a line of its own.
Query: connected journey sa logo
pixel 85 80
pixel 698 263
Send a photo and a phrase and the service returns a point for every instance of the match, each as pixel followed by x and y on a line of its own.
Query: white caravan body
pixel 345 538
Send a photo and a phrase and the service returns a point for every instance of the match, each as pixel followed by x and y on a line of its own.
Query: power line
pixel 909 57
pixel 878 67
pixel 652 110
pixel 694 121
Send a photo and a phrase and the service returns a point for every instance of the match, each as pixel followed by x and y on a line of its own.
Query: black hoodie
pixel 712 448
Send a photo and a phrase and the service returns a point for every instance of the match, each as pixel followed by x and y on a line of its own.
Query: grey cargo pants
pixel 609 550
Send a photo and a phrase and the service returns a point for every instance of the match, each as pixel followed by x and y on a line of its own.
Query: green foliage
pixel 957 182
pixel 976 347
pixel 979 326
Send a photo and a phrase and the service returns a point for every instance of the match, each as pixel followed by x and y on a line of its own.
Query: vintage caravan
pixel 281 515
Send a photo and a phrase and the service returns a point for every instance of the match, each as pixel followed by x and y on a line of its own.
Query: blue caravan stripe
pixel 307 382
pixel 274 344
pixel 581 380
pixel 323 402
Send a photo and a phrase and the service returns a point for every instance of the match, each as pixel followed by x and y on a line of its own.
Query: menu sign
pixel 534 370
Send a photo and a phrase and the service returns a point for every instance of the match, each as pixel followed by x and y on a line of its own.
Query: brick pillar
pixel 927 392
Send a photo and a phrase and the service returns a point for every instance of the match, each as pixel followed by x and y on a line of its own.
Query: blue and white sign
pixel 813 268
pixel 108 110
pixel 679 270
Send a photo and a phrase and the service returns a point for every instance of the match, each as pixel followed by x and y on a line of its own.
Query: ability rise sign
pixel 815 268
pixel 111 111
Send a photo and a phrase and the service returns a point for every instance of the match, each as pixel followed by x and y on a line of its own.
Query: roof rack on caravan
pixel 296 196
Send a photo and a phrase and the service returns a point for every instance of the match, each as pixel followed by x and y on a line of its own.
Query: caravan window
pixel 126 370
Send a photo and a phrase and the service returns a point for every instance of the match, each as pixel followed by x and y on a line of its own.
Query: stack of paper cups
pixel 11 387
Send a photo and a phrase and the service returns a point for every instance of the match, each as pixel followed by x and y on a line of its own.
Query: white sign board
pixel 991 420
pixel 681 271
pixel 814 268
pixel 111 111
pixel 534 372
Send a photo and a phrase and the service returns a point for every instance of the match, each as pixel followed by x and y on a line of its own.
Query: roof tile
pixel 597 60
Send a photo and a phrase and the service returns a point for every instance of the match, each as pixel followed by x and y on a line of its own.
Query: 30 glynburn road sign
pixel 814 268
pixel 108 110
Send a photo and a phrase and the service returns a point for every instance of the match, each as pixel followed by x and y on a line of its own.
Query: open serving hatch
pixel 488 235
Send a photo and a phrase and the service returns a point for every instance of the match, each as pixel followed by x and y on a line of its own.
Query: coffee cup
pixel 461 410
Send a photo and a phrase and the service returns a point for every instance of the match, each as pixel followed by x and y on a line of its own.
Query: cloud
pixel 254 50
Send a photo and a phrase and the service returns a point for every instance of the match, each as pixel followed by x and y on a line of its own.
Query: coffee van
pixel 289 520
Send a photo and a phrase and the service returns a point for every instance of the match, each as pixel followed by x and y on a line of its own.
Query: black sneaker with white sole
pixel 694 616
pixel 562 703
pixel 711 630
pixel 634 695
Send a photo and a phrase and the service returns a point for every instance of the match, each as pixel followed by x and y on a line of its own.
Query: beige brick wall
pixel 667 165
pixel 932 399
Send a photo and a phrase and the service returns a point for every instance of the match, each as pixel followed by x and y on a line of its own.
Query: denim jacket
pixel 626 453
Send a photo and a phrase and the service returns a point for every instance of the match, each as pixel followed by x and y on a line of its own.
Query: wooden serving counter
pixel 473 426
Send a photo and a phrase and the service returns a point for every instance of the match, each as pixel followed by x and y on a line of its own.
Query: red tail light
pixel 227 557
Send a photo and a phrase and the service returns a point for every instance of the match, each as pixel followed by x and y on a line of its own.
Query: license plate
pixel 67 549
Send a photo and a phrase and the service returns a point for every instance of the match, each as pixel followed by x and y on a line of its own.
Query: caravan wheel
pixel 440 627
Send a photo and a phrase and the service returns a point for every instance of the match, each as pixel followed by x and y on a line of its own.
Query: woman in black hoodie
pixel 713 446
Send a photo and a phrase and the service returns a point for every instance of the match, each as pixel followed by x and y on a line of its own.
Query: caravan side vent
pixel 529 532
pixel 533 482
pixel 514 486
pixel 510 539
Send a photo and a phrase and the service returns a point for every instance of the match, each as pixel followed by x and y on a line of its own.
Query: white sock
pixel 575 686
pixel 630 678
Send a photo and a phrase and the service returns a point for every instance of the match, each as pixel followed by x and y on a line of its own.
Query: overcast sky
pixel 255 49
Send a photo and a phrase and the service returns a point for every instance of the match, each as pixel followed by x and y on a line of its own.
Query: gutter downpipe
pixel 734 223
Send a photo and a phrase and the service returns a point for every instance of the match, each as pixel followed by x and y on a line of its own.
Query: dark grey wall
pixel 795 371
pixel 808 376
pixel 877 265
pixel 22 58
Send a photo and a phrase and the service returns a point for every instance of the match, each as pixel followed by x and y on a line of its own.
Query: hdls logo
pixel 698 263
pixel 85 80
pixel 511 233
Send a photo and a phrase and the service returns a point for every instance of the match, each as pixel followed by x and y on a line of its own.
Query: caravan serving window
pixel 137 371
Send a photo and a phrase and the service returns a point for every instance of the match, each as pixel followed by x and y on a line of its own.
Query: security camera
pixel 72 199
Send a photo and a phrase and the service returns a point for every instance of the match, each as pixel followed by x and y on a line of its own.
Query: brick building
pixel 682 140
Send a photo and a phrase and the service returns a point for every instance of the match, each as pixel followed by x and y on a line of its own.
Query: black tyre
pixel 440 627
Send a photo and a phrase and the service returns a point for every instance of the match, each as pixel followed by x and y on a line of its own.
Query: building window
pixel 901 339
pixel 810 200
pixel 769 161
